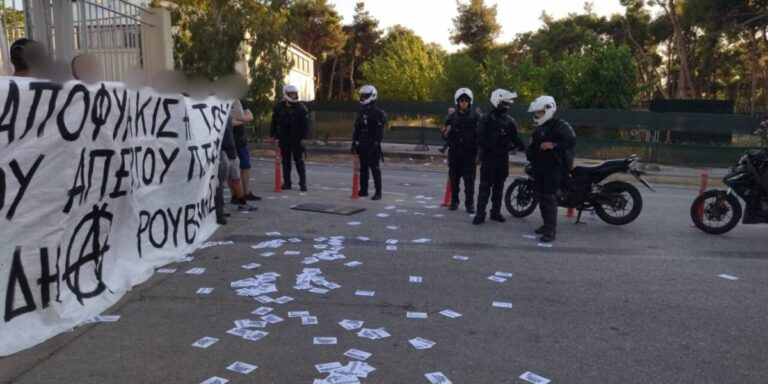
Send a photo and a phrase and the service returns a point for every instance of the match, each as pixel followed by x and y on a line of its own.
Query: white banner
pixel 99 185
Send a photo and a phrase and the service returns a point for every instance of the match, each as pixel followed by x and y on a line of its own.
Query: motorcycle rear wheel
pixel 719 212
pixel 520 199
pixel 624 206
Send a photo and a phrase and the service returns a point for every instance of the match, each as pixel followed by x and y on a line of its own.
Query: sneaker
pixel 251 197
pixel 479 219
pixel 221 221
pixel 453 206
pixel 234 201
pixel 539 230
pixel 285 186
pixel 498 217
pixel 470 209
pixel 246 208
pixel 363 193
pixel 303 188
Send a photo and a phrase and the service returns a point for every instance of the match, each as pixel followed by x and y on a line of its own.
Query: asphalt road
pixel 640 303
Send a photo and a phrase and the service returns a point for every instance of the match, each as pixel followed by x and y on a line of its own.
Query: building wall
pixel 301 73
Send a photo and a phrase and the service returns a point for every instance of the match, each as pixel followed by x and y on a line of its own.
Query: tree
pixel 476 27
pixel 406 68
pixel 460 70
pixel 209 36
pixel 686 88
pixel 363 41
pixel 316 27
pixel 212 33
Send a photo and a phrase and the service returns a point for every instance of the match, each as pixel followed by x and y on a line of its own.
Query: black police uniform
pixel 290 125
pixel 496 136
pixel 462 144
pixel 551 167
pixel 366 141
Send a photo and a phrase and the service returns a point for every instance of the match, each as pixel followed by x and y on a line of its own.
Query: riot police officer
pixel 460 132
pixel 290 126
pixel 496 136
pixel 366 139
pixel 551 154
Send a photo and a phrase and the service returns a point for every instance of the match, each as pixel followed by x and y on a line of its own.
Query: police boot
pixel 469 194
pixel 548 208
pixel 376 183
pixel 302 171
pixel 363 182
pixel 479 218
pixel 286 175
pixel 539 230
pixel 496 216
pixel 454 193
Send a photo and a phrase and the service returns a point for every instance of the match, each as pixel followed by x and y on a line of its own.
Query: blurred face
pixel 87 69
pixel 538 114
pixel 292 95
pixel 364 96
pixel 463 103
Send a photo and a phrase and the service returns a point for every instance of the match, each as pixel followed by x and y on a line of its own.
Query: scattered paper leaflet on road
pixel 99 185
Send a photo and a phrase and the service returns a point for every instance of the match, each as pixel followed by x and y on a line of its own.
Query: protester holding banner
pixel 28 58
pixel 229 170
pixel 100 185
pixel 241 142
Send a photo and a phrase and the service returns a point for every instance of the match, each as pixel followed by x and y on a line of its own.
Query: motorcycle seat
pixel 605 166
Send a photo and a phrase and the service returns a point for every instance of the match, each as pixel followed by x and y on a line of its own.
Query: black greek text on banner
pixel 99 185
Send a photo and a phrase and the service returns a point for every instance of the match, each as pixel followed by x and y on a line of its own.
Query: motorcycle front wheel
pixel 715 212
pixel 621 205
pixel 520 199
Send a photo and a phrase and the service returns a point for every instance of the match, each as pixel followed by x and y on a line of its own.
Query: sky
pixel 433 19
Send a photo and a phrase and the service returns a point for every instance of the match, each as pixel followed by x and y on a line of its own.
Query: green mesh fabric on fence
pixel 667 138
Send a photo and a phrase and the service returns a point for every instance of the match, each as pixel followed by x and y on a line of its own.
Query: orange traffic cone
pixel 356 178
pixel 702 188
pixel 447 198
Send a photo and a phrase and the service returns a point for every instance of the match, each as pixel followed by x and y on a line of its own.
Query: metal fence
pixel 667 138
pixel 111 30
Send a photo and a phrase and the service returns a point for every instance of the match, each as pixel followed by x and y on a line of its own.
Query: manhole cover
pixel 329 208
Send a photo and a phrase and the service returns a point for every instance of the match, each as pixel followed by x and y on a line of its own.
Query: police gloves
pixel 353 149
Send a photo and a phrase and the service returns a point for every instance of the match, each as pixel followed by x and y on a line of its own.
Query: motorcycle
pixel 615 202
pixel 717 211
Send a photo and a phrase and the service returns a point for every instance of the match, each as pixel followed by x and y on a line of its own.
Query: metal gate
pixel 110 30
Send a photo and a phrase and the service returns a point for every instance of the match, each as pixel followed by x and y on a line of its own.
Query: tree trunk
pixel 340 92
pixel 351 79
pixel 686 89
pixel 333 75
pixel 765 71
pixel 752 71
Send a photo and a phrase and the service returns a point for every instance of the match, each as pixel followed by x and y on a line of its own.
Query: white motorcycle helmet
pixel 501 98
pixel 368 94
pixel 291 93
pixel 463 92
pixel 543 103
